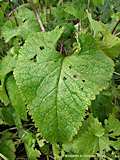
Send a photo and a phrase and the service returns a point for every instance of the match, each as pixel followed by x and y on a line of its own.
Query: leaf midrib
pixel 56 98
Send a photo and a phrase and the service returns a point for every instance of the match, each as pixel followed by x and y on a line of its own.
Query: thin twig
pixel 36 12
pixel 117 73
pixel 60 2
pixel 113 31
pixel 61 47
pixel 16 8
pixel 88 5
pixel 3 157
pixel 39 20
pixel 11 12
pixel 117 34
pixel 51 157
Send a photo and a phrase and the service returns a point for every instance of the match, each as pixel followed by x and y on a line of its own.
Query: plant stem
pixel 113 31
pixel 36 12
pixel 13 13
pixel 39 20
pixel 15 19
pixel 55 148
pixel 88 5
pixel 117 73
pixel 60 2
pixel 3 157
pixel 117 34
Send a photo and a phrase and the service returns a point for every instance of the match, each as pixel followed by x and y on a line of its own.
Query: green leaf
pixel 7 65
pixel 104 144
pixel 2 19
pixel 96 26
pixel 14 1
pixel 16 98
pixel 36 1
pixel 3 96
pixel 87 142
pixel 98 2
pixel 116 144
pixel 76 8
pixel 95 127
pixel 7 147
pixel 29 142
pixel 110 44
pixel 26 23
pixel 1 117
pixel 7 115
pixel 113 126
pixel 102 106
pixel 59 89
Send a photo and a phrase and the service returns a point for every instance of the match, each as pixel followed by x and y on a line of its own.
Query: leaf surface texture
pixel 59 89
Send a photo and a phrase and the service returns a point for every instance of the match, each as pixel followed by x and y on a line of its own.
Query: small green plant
pixel 60 79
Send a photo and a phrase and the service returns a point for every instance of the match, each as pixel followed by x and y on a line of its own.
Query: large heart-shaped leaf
pixel 59 89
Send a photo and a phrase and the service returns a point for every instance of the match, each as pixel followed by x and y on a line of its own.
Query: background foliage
pixel 60 79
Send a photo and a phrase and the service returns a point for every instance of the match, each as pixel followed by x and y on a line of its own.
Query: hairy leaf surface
pixel 113 126
pixel 87 142
pixel 22 26
pixel 110 44
pixel 16 98
pixel 29 142
pixel 7 147
pixel 76 8
pixel 7 65
pixel 7 115
pixel 102 106
pixel 3 96
pixel 58 89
